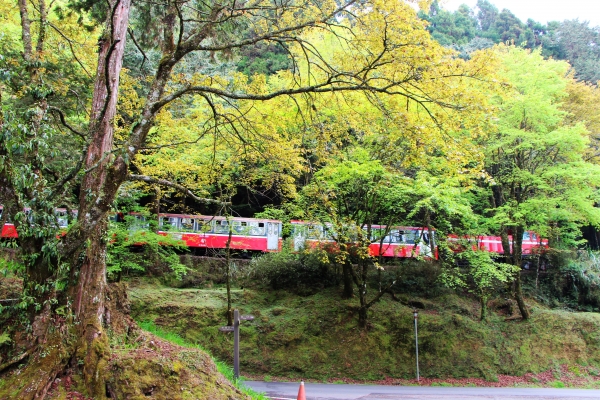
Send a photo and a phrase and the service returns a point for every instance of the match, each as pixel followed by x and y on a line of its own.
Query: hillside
pixel 315 336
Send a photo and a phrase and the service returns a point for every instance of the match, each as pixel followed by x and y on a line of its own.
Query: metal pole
pixel 236 344
pixel 416 315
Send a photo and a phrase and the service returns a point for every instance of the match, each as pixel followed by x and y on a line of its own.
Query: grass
pixel 222 367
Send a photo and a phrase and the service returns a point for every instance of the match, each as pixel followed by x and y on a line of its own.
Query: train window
pixel 395 236
pixel 315 231
pixel 328 232
pixel 63 221
pixel 204 226
pixel 258 229
pixel 169 223
pixel 222 226
pixel 411 236
pixel 375 234
pixel 534 237
pixel 239 227
pixel 139 222
pixel 526 236
pixel 187 224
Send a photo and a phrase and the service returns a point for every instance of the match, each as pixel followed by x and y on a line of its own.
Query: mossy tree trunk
pixel 483 303
pixel 514 257
pixel 80 339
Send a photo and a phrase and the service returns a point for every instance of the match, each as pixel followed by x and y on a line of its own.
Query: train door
pixel 426 244
pixel 299 235
pixel 272 236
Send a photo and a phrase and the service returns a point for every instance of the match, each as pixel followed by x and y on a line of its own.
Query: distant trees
pixel 579 43
pixel 469 30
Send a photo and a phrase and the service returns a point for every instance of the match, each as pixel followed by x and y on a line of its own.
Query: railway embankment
pixel 314 334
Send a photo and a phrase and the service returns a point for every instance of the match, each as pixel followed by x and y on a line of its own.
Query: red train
pixel 201 231
pixel 532 243
pixel 399 242
pixel 265 235
pixel 9 231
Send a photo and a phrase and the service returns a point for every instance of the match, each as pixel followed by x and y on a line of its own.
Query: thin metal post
pixel 236 344
pixel 416 315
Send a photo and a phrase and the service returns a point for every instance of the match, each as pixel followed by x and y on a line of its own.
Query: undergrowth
pixel 222 367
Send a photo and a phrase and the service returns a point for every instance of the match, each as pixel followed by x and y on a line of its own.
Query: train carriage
pixel 62 218
pixel 401 242
pixel 532 243
pixel 264 235
pixel 8 229
pixel 208 232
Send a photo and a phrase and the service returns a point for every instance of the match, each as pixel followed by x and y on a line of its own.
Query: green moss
pixel 317 336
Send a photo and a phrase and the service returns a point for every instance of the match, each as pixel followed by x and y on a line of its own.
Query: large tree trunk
pixel 98 190
pixel 517 255
pixel 83 341
pixel 348 291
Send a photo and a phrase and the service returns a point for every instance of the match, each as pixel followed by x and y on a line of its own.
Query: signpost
pixel 416 315
pixel 236 338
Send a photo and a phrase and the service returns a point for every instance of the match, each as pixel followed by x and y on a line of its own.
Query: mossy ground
pixel 139 364
pixel 317 337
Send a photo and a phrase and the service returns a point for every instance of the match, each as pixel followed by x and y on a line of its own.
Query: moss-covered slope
pixel 317 336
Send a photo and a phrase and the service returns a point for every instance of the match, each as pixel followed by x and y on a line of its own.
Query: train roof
pixel 296 221
pixel 217 218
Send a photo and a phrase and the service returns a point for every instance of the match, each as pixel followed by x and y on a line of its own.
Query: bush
pixel 305 272
pixel 573 281
pixel 135 250
pixel 412 277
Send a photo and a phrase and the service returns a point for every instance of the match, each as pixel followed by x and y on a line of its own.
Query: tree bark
pixel 483 302
pixel 348 291
pixel 517 255
pixel 515 259
pixel 98 190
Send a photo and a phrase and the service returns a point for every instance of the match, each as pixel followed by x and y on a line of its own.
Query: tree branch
pixel 63 121
pixel 180 188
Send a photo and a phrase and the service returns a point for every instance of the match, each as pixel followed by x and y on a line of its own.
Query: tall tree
pixel 539 176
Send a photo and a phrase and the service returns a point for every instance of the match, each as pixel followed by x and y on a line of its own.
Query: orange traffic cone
pixel 301 395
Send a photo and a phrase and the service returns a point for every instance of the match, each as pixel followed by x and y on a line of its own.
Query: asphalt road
pixel 321 391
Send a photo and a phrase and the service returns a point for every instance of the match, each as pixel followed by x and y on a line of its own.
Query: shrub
pixel 135 249
pixel 306 271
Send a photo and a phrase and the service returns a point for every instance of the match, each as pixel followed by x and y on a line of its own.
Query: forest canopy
pixel 350 112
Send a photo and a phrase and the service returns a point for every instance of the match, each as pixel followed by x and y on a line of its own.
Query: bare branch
pixel 180 188
pixel 64 122
pixel 132 36
pixel 323 87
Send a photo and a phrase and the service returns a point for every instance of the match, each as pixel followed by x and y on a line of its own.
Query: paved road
pixel 321 391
